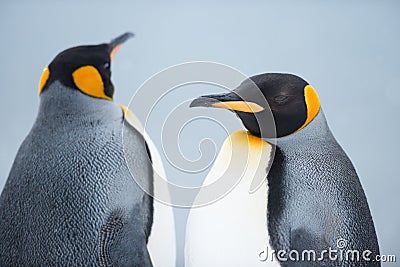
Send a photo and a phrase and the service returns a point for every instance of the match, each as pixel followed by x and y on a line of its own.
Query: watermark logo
pixel 340 253
pixel 341 243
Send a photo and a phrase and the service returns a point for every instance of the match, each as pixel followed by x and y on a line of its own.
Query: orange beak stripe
pixel 244 106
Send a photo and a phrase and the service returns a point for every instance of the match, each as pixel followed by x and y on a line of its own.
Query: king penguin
pixel 72 197
pixel 310 211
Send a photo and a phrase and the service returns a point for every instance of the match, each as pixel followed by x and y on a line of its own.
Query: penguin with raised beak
pixel 72 197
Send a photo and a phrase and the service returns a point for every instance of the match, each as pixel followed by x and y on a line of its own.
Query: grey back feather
pixel 68 182
pixel 316 198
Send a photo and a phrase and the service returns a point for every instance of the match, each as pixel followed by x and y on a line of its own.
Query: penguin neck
pixel 63 105
pixel 241 166
pixel 316 132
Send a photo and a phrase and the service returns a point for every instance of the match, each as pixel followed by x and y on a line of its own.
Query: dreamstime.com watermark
pixel 338 254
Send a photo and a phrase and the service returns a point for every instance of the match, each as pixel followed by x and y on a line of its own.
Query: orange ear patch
pixel 312 103
pixel 89 81
pixel 43 79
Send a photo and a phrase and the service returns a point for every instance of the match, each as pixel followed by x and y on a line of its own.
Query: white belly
pixel 233 231
pixel 162 240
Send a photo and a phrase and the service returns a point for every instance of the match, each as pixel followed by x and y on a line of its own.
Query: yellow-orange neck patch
pixel 246 137
pixel 312 103
pixel 89 81
pixel 126 111
pixel 43 79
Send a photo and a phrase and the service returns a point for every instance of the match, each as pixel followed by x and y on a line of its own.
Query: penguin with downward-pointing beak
pixel 311 210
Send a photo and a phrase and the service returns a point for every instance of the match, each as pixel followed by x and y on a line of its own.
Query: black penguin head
pixel 85 68
pixel 289 103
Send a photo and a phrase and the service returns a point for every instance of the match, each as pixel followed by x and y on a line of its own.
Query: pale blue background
pixel 348 50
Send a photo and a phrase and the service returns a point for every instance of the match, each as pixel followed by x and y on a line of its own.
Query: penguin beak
pixel 230 101
pixel 116 43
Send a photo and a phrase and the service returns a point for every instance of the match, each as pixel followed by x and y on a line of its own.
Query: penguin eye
pixel 281 99
pixel 106 65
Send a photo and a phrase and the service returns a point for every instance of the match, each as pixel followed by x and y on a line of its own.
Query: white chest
pixel 233 230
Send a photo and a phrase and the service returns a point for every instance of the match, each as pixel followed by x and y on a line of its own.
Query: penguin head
pixel 287 104
pixel 84 68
